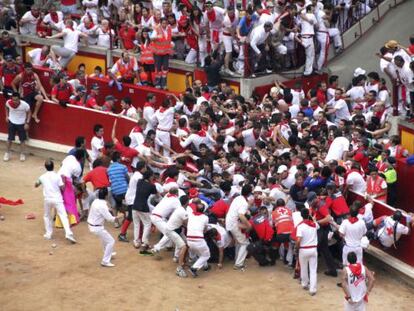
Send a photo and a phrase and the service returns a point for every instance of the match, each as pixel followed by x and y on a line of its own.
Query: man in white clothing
pixel 307 245
pixel 236 221
pixel 338 107
pixel 70 44
pixel 52 186
pixel 339 148
pixel 355 181
pixel 29 20
pixel 98 213
pixel 258 38
pixel 196 227
pixel 352 230
pixel 308 22
pixel 97 142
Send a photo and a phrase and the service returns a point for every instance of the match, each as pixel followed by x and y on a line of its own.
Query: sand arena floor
pixel 72 279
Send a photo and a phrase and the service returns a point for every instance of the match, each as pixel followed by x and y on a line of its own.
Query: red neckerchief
pixel 361 210
pixel 232 18
pixel 356 269
pixel 13 104
pixel 218 237
pixel 91 25
pixel 70 27
pixel 185 129
pixel 274 186
pixel 211 15
pixel 353 170
pixel 169 180
pixel 353 220
pixel 162 109
pixel 379 114
pixel 54 16
pixel 255 136
pixel 148 104
pixel 147 145
pixel 370 103
pixel 42 57
pixel 265 12
pixel 258 202
pixel 202 133
pixel 137 129
pixel 309 222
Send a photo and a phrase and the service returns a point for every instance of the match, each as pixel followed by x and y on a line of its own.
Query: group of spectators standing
pixel 265 36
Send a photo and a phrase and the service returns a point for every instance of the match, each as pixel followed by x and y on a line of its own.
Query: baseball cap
pixel 8 57
pixel 311 196
pixel 109 97
pixel 281 169
pixel 95 86
pixel 391 44
pixel 359 72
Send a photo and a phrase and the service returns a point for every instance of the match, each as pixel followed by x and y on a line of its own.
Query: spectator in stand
pixel 62 90
pixel 125 70
pixel 31 89
pixel 8 45
pixel 308 22
pixel 9 70
pixel 52 19
pixel 18 117
pixel 69 6
pixel 89 28
pixel 258 49
pixel 28 21
pixel 91 100
pixel 70 44
pixel 146 58
pixel 127 34
pixel 161 38
pixel 231 20
pixel 39 56
pixel 106 35
pixel 97 73
pixel 127 109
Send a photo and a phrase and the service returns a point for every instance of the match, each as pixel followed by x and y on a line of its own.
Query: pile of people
pixel 265 36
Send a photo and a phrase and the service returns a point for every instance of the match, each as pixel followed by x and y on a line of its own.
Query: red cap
pixel 193 193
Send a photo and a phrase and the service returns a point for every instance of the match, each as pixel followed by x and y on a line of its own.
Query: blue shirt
pixel 244 28
pixel 118 176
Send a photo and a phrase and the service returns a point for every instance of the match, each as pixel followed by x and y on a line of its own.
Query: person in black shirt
pixel 298 192
pixel 212 70
pixel 140 208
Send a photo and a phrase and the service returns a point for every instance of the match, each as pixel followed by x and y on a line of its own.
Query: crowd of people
pixel 222 177
pixel 265 36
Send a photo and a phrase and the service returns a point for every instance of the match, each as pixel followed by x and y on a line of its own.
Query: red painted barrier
pixel 307 84
pixel 405 189
pixel 403 251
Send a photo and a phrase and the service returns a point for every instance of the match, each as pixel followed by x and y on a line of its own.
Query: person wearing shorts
pixel 18 117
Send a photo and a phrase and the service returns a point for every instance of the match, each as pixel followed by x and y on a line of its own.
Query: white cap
pixel 237 179
pixel 258 189
pixel 282 169
pixel 359 71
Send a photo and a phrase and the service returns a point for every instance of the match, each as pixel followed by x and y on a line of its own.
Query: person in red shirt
pixel 283 223
pixel 62 90
pixel 91 101
pixel 127 153
pixel 220 209
pixel 127 35
pixel 262 233
pixel 98 176
pixel 320 212
pixel 336 203
pixel 321 93
pixel 361 154
pixel 8 71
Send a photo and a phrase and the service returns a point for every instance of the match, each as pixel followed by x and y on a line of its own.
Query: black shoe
pixel 206 268
pixel 193 272
pixel 122 238
pixel 331 273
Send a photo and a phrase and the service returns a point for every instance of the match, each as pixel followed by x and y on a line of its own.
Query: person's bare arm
pixel 345 284
pixel 56 36
pixel 244 221
pixel 113 134
pixel 371 280
pixel 16 82
pixel 42 89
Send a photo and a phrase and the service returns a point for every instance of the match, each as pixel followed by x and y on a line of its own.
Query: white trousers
pixel 323 39
pixel 107 241
pixel 308 259
pixel 199 248
pixel 60 210
pixel 347 249
pixel 336 36
pixel 161 226
pixel 310 54
pixel 357 306
pixel 241 242
pixel 137 218
pixel 163 138
pixel 191 57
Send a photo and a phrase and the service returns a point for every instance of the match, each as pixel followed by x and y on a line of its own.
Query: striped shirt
pixel 118 176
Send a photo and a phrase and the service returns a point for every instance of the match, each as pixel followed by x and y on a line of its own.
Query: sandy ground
pixel 72 279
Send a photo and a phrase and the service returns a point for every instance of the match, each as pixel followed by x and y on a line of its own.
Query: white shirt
pixel 406 76
pixel 196 225
pixel 337 148
pixel 91 32
pixel 341 109
pixel 357 286
pixel 148 113
pixel 91 6
pixel 18 115
pixel 197 140
pixel 70 39
pixel 97 143
pixel 132 188
pixel 353 233
pixel 237 207
pixel 51 183
pixel 356 182
pixel 48 19
pixel 257 37
pixel 177 218
pixel 70 167
pixel 30 23
pixel 356 92
pixel 367 216
pixel 386 234
pixel 308 235
pixel 131 112
pixel 137 139
pixel 99 212
pixel 166 206
pixel 249 139
pixel 104 39
pixel 35 57
pixel 308 27
pixel 225 238
pixel 164 119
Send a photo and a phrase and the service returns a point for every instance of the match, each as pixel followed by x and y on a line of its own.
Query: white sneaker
pixel 22 157
pixel 47 237
pixel 71 238
pixel 6 157
pixel 181 272
pixel 107 264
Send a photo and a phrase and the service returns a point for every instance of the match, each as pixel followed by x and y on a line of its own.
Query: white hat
pixel 258 189
pixel 282 169
pixel 359 72
pixel 364 242
pixel 237 179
